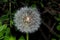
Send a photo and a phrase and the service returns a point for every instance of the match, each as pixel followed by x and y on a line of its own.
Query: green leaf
pixel 2 30
pixel 7 31
pixel 58 19
pixel 4 17
pixel 53 39
pixel 1 37
pixel 0 23
pixel 41 4
pixel 12 38
pixel 21 38
pixel 3 27
pixel 1 34
pixel 33 5
pixel 11 22
pixel 6 38
pixel 58 27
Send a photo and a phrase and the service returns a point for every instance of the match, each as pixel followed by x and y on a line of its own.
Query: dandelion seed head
pixel 27 19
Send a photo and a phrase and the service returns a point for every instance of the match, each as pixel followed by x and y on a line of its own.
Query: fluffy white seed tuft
pixel 27 19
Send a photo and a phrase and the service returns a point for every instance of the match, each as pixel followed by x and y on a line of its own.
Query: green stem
pixel 27 36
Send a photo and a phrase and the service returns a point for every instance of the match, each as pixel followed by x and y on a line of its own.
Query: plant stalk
pixel 27 36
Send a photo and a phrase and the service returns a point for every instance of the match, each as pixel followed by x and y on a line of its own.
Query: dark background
pixel 48 12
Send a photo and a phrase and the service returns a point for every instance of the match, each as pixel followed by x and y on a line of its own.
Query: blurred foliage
pixel 11 22
pixel 58 19
pixel 4 1
pixel 9 38
pixel 12 38
pixel 53 39
pixel 21 38
pixel 3 27
pixel 6 37
pixel 58 27
pixel 4 17
pixel 3 31
pixel 33 5
pixel 41 4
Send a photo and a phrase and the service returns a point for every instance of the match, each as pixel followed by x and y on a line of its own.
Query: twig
pixel 50 29
pixel 53 26
pixel 43 35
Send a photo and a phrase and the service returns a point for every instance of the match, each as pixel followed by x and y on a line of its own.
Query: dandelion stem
pixel 27 38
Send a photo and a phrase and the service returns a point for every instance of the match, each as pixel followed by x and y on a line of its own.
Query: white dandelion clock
pixel 27 19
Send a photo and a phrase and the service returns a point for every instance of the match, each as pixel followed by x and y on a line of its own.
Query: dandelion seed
pixel 27 19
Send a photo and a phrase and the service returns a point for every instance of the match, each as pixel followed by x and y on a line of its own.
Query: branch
pixel 50 29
